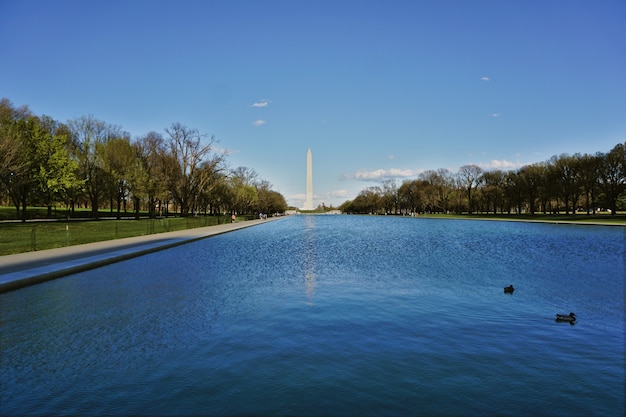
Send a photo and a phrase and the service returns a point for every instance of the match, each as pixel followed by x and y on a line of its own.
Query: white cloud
pixel 485 79
pixel 224 151
pixel 338 193
pixel 495 114
pixel 390 157
pixel 500 164
pixel 381 174
pixel 262 103
pixel 259 122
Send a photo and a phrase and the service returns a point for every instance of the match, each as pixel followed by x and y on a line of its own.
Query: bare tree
pixel 16 166
pixel 89 136
pixel 441 183
pixel 613 175
pixel 494 185
pixel 567 175
pixel 187 153
pixel 148 180
pixel 391 199
pixel 469 179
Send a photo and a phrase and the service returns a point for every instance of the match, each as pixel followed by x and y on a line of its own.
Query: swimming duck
pixel 509 289
pixel 566 317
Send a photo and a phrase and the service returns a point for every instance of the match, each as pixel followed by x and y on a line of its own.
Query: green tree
pixel 411 195
pixel 118 160
pixel 243 191
pixel 56 173
pixel 269 201
pixel 368 201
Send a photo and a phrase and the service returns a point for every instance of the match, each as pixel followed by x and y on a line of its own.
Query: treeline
pixel 86 162
pixel 565 183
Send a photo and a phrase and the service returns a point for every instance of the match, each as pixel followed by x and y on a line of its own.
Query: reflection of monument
pixel 308 201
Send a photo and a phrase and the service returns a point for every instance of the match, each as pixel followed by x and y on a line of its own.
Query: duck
pixel 509 289
pixel 571 317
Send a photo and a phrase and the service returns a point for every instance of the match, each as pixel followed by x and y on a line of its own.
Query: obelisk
pixel 308 202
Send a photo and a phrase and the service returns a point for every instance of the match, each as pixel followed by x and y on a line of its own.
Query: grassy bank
pixel 17 237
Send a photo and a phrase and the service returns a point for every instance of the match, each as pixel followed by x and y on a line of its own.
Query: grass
pixel 18 237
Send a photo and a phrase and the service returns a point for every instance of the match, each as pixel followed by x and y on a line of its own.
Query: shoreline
pixel 511 219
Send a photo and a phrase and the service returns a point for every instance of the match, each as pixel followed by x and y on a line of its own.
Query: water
pixel 330 315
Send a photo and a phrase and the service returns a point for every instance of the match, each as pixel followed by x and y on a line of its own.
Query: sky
pixel 377 90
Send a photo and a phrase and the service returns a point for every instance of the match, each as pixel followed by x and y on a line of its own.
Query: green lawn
pixel 17 237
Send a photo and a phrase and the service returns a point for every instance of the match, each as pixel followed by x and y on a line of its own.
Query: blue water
pixel 331 315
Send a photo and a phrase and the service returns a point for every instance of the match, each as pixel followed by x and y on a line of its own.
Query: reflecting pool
pixel 330 315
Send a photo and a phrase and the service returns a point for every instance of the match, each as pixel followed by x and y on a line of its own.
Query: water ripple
pixel 330 315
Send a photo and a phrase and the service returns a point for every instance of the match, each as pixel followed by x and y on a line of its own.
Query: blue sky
pixel 376 89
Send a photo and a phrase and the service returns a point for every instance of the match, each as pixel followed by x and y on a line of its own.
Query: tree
pixel 613 175
pixel 208 179
pixel 493 187
pixel 118 158
pixel 147 178
pixel 242 185
pixel 513 192
pixel 186 155
pixel 368 201
pixel 56 173
pixel 531 178
pixel 269 201
pixel 411 195
pixel 36 167
pixel 10 160
pixel 390 198
pixel 439 192
pixel 16 166
pixel 568 180
pixel 88 138
pixel 590 167
pixel 469 178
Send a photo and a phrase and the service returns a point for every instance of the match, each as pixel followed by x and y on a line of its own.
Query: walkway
pixel 21 270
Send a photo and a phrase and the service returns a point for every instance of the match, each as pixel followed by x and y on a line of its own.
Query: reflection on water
pixel 309 260
pixel 330 315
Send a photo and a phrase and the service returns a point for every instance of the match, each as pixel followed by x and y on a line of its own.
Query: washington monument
pixel 308 201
